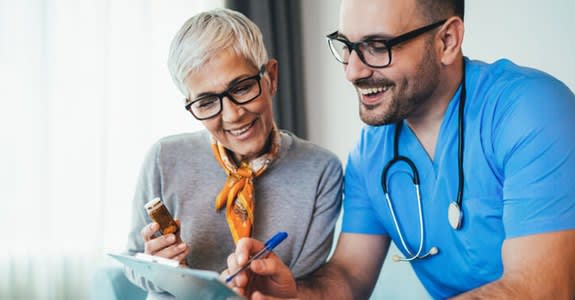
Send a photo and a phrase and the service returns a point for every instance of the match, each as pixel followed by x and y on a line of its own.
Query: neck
pixel 426 122
pixel 239 157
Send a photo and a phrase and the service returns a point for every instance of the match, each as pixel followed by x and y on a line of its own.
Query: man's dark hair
pixel 435 10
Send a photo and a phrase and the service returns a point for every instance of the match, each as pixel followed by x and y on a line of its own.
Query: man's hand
pixel 260 296
pixel 268 275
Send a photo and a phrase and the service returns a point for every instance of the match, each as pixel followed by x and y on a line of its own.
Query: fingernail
pixel 255 265
pixel 171 238
pixel 182 246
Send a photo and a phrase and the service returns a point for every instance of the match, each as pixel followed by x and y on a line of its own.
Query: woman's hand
pixel 164 246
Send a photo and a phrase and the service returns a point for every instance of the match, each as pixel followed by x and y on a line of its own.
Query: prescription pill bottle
pixel 160 214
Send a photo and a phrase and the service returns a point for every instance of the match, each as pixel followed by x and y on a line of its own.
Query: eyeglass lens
pixel 241 93
pixel 373 53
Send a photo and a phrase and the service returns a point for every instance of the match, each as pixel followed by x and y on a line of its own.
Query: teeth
pixel 373 90
pixel 239 131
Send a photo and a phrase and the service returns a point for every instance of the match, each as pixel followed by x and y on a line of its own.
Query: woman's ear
pixel 272 70
pixel 451 39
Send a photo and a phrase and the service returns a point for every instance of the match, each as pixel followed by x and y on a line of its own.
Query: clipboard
pixel 181 282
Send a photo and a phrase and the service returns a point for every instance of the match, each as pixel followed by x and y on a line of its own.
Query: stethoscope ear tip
pixel 434 250
pixel 396 258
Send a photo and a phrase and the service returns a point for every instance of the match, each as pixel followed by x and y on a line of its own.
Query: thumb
pixel 260 296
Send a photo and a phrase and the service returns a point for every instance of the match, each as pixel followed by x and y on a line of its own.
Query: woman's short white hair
pixel 208 33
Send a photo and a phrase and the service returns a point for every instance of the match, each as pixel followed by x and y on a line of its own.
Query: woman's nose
pixel 231 111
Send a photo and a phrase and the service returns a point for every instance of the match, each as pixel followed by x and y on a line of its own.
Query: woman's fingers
pixel 148 231
pixel 165 246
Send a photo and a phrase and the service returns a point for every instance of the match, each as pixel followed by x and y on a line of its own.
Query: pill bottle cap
pixel 153 204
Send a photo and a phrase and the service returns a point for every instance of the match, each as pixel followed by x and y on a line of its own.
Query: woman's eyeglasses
pixel 242 92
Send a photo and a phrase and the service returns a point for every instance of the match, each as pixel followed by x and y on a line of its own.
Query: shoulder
pixel 505 92
pixel 519 109
pixel 185 139
pixel 180 148
pixel 183 142
pixel 505 81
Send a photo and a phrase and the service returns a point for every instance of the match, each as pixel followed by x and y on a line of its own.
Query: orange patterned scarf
pixel 237 195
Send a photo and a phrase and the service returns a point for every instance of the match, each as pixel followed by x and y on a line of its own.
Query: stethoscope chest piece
pixel 454 215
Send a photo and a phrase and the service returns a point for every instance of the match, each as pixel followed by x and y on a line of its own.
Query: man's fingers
pixel 260 296
pixel 245 248
pixel 224 275
pixel 239 291
pixel 240 279
pixel 267 266
pixel 232 262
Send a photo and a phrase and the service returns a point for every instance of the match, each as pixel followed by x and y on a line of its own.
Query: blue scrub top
pixel 519 166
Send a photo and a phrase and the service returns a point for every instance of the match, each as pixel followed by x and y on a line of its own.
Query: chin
pixel 378 116
pixel 248 153
pixel 373 119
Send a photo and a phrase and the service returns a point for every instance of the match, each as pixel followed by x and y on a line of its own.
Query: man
pixel 490 148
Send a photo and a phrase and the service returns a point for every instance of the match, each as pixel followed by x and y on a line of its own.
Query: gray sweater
pixel 299 193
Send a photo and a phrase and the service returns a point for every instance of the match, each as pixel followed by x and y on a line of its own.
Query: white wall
pixel 529 32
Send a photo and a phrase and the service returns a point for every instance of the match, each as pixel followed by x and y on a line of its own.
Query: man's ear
pixel 272 70
pixel 451 39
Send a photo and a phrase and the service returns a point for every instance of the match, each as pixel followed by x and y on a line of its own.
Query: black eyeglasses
pixel 374 52
pixel 242 92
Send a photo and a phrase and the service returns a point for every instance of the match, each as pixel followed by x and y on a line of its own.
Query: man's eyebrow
pixel 377 36
pixel 371 37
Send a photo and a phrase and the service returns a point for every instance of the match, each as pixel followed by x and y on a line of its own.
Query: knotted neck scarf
pixel 237 195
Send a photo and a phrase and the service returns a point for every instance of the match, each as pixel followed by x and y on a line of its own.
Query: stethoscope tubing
pixel 456 225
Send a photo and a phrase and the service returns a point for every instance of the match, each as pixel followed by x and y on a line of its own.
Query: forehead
pixel 360 18
pixel 216 73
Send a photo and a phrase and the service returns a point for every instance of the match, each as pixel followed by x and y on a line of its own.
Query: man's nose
pixel 355 68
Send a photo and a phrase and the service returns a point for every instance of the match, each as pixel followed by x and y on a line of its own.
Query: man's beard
pixel 402 103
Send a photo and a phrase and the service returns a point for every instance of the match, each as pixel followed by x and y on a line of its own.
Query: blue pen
pixel 268 247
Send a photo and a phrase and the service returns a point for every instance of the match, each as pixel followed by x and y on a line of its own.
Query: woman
pixel 210 180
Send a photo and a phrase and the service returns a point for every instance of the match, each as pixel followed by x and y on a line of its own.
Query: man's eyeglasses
pixel 242 92
pixel 374 52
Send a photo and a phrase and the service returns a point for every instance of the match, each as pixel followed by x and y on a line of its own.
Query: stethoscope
pixel 454 212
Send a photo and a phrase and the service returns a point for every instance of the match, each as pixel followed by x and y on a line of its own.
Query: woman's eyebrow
pixel 229 85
